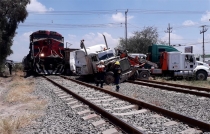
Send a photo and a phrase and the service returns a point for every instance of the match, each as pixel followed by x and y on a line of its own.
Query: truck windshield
pixel 105 55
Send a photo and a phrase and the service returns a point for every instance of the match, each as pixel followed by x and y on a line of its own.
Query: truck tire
pixel 109 78
pixel 134 76
pixel 201 75
pixel 144 75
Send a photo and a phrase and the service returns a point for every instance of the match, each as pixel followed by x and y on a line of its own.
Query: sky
pixel 90 19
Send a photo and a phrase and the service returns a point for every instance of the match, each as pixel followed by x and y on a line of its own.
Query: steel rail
pixel 163 87
pixel 115 120
pixel 188 120
pixel 177 85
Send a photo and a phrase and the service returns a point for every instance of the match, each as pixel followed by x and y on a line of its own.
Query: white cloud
pixel 119 17
pixel 130 34
pixel 206 17
pixel 89 36
pixel 174 38
pixel 93 39
pixel 189 23
pixel 25 36
pixel 51 9
pixel 72 36
pixel 36 6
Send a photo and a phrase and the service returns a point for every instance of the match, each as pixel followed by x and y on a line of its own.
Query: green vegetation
pixel 12 12
pixel 141 40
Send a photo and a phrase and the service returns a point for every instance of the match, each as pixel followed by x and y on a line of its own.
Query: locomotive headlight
pixel 42 55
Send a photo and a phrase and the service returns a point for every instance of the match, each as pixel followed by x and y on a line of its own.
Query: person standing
pixel 10 68
pixel 100 74
pixel 117 74
pixel 9 64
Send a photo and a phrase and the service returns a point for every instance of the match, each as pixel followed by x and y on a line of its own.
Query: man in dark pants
pixel 9 64
pixel 117 73
pixel 100 74
pixel 10 68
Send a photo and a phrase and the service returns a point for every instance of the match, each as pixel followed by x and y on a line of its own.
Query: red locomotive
pixel 46 54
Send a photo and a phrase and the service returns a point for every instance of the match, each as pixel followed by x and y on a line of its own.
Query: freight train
pixel 46 53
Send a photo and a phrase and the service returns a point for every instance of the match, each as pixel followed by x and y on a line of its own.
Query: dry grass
pixel 38 105
pixel 18 107
pixel 10 124
pixel 20 90
pixel 205 84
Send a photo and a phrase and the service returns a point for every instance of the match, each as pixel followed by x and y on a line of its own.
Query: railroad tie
pixel 84 112
pixel 110 131
pixel 191 131
pixel 99 123
pixel 90 116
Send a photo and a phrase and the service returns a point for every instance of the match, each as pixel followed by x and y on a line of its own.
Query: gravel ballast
pixel 186 104
pixel 59 118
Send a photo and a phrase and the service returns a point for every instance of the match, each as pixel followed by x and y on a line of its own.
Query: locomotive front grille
pixel 49 65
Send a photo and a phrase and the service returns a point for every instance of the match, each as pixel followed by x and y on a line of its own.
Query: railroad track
pixel 130 115
pixel 199 91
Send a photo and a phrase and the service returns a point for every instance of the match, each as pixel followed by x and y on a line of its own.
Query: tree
pixel 141 40
pixel 12 12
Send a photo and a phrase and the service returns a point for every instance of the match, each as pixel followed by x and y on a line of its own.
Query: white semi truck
pixel 177 64
pixel 86 60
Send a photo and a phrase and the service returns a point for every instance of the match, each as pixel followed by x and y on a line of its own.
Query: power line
pixel 89 12
pixel 169 31
pixel 126 28
pixel 202 32
pixel 112 25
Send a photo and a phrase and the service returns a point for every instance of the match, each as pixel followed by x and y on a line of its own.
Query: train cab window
pixel 191 59
pixel 38 36
pixel 56 37
pixel 94 58
pixel 125 65
pixel 161 50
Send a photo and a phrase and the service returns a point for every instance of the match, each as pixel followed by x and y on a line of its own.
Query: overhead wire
pixel 142 11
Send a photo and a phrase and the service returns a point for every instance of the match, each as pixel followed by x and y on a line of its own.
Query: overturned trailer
pixel 86 60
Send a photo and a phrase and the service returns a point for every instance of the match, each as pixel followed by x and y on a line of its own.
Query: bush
pixel 4 70
pixel 17 67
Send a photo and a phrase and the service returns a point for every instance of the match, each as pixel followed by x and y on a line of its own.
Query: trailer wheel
pixel 109 78
pixel 201 75
pixel 144 75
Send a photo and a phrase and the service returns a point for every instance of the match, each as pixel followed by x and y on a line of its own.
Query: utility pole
pixel 204 29
pixel 169 31
pixel 126 29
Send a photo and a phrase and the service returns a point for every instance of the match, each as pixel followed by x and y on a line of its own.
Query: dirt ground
pixel 195 83
pixel 18 106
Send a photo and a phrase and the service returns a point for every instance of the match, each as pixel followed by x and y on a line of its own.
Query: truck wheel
pixel 109 78
pixel 144 75
pixel 201 75
pixel 134 76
